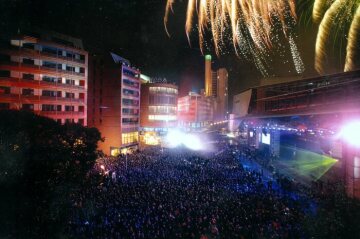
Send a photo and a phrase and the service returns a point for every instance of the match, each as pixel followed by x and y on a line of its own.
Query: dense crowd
pixel 177 193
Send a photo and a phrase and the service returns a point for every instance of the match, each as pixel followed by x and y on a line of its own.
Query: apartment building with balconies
pixel 45 72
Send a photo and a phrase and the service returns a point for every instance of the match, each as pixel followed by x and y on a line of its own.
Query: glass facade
pixel 130 138
pixel 164 90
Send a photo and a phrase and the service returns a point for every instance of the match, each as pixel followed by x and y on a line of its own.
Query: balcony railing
pixel 10 81
pixel 61 114
pixel 11 49
pixel 36 99
pixel 41 68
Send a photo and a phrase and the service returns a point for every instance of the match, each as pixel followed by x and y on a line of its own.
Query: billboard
pixel 265 138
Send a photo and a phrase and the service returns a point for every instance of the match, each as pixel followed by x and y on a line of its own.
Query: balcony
pixel 35 84
pixel 61 114
pixel 18 66
pixel 36 99
pixel 21 51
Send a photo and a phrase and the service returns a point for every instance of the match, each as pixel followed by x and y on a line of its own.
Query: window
pixel 130 102
pixel 51 79
pixel 4 90
pixel 70 68
pixel 50 50
pixel 130 93
pixel 70 55
pixel 126 111
pixel 29 107
pixel 28 76
pixel 129 138
pixel 162 117
pixel 81 121
pixel 28 61
pixel 51 93
pixel 162 109
pixel 131 83
pixel 49 64
pixel 70 82
pixel 48 108
pixel 130 120
pixel 4 73
pixel 28 91
pixel 69 108
pixel 70 95
pixel 129 73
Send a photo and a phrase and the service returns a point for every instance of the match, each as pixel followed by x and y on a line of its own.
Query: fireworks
pixel 332 15
pixel 299 65
pixel 249 24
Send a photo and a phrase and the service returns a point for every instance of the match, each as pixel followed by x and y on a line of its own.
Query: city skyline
pixel 145 40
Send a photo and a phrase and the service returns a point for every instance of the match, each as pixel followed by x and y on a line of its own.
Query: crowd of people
pixel 178 193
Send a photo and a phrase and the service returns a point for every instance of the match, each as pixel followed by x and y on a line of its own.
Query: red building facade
pixel 195 111
pixel 46 74
pixel 114 102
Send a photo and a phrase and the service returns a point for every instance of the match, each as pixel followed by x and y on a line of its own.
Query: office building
pixel 195 111
pixel 220 94
pixel 114 102
pixel 158 111
pixel 46 73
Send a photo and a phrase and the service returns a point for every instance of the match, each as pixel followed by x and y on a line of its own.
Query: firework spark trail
pixel 353 41
pixel 223 16
pixel 299 64
pixel 319 9
pixel 324 34
pixel 335 16
pixel 189 18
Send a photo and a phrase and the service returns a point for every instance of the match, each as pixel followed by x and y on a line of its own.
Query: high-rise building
pixel 208 76
pixel 216 87
pixel 158 111
pixel 114 102
pixel 46 73
pixel 222 95
pixel 195 111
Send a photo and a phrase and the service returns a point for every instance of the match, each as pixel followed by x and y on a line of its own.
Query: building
pixel 195 111
pixel 216 87
pixel 208 76
pixel 158 111
pixel 114 102
pixel 47 73
pixel 220 94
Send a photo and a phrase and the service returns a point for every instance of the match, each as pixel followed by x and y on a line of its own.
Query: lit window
pixel 162 117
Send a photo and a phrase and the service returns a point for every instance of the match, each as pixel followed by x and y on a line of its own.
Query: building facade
pixel 45 73
pixel 220 94
pixel 114 102
pixel 195 111
pixel 208 76
pixel 158 111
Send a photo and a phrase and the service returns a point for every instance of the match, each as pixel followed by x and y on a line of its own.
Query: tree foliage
pixel 42 164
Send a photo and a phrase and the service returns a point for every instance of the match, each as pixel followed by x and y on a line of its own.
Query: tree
pixel 42 163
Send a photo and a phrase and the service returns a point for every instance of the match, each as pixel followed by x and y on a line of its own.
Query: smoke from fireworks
pixel 332 14
pixel 249 24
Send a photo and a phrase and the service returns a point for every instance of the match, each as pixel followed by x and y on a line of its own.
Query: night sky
pixel 135 30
